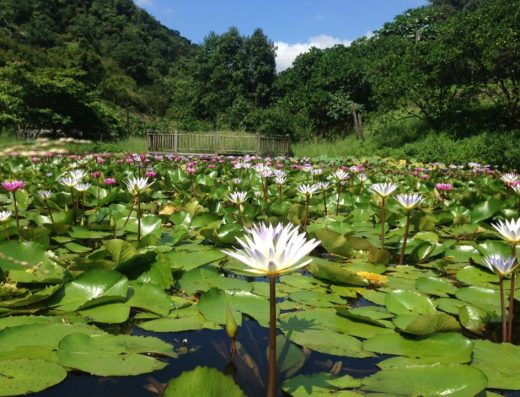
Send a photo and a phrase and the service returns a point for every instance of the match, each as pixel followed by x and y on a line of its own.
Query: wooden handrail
pixel 219 143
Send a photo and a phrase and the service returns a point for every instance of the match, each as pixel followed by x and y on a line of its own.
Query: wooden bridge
pixel 217 143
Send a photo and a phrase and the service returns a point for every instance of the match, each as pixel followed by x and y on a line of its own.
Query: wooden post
pixel 216 142
pixel 176 141
pixel 288 145
pixel 258 144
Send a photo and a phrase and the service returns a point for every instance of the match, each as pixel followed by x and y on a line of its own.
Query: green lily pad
pixel 29 376
pixel 407 302
pixel 473 276
pixel 443 347
pixel 111 313
pixel 484 298
pixel 321 384
pixel 189 319
pixel 150 297
pixel 370 314
pixel 500 362
pixel 93 288
pixel 427 381
pixel 427 324
pixel 289 357
pixel 113 355
pixel 213 305
pixel 435 286
pixel 188 260
pixel 203 381
pixel 37 341
pixel 473 318
pixel 335 273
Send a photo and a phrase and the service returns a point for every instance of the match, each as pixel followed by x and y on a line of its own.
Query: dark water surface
pixel 206 346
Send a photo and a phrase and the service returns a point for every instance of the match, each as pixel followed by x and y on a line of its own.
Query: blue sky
pixel 294 25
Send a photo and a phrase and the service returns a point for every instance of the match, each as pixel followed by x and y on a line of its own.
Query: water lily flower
pixel 5 215
pixel 110 181
pixel 150 174
pixel 137 185
pixel 409 200
pixel 509 178
pixel 445 187
pixel 45 194
pixel 237 197
pixel 384 189
pixel 280 179
pixel 509 230
pixel 307 189
pixel 323 185
pixel 68 181
pixel 82 187
pixel 78 174
pixel 340 175
pixel 271 251
pixel 503 267
pixel 500 265
pixel 237 181
pixel 13 186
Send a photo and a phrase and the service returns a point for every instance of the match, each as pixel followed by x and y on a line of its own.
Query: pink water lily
pixel 13 186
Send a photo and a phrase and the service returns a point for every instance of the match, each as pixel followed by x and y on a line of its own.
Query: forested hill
pixel 105 68
pixel 87 54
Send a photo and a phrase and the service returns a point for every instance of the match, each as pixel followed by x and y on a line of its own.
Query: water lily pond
pixel 113 279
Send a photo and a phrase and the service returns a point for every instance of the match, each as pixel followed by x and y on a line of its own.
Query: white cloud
pixel 286 53
pixel 144 3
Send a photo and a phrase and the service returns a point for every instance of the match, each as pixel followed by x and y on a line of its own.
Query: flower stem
pixel 503 304
pixel 405 237
pixel 49 211
pixel 130 213
pixel 271 387
pixel 306 218
pixel 382 238
pixel 511 297
pixel 73 203
pixel 138 199
pixel 16 212
pixel 337 201
pixel 325 203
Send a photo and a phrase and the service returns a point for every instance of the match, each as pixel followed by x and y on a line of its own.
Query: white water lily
pixel 409 200
pixel 307 189
pixel 509 230
pixel 500 265
pixel 237 197
pixel 509 178
pixel 323 185
pixel 5 215
pixel 384 189
pixel 340 175
pixel 78 174
pixel 137 185
pixel 68 181
pixel 271 251
pixel 280 179
pixel 45 194
pixel 82 187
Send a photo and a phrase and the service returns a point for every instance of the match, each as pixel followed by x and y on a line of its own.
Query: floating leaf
pixel 500 362
pixel 442 347
pixel 93 288
pixel 435 286
pixel 427 381
pixel 113 355
pixel 322 384
pixel 406 302
pixel 427 324
pixel 28 376
pixel 203 381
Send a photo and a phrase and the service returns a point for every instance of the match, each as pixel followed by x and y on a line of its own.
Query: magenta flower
pixel 445 187
pixel 96 174
pixel 110 181
pixel 13 186
pixel 150 174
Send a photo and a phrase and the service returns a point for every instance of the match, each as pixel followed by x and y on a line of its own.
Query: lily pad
pixel 406 302
pixel 443 347
pixel 427 381
pixel 500 363
pixel 25 376
pixel 435 286
pixel 113 355
pixel 93 288
pixel 321 384
pixel 426 324
pixel 203 381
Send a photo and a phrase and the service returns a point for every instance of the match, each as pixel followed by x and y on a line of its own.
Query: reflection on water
pixel 208 348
